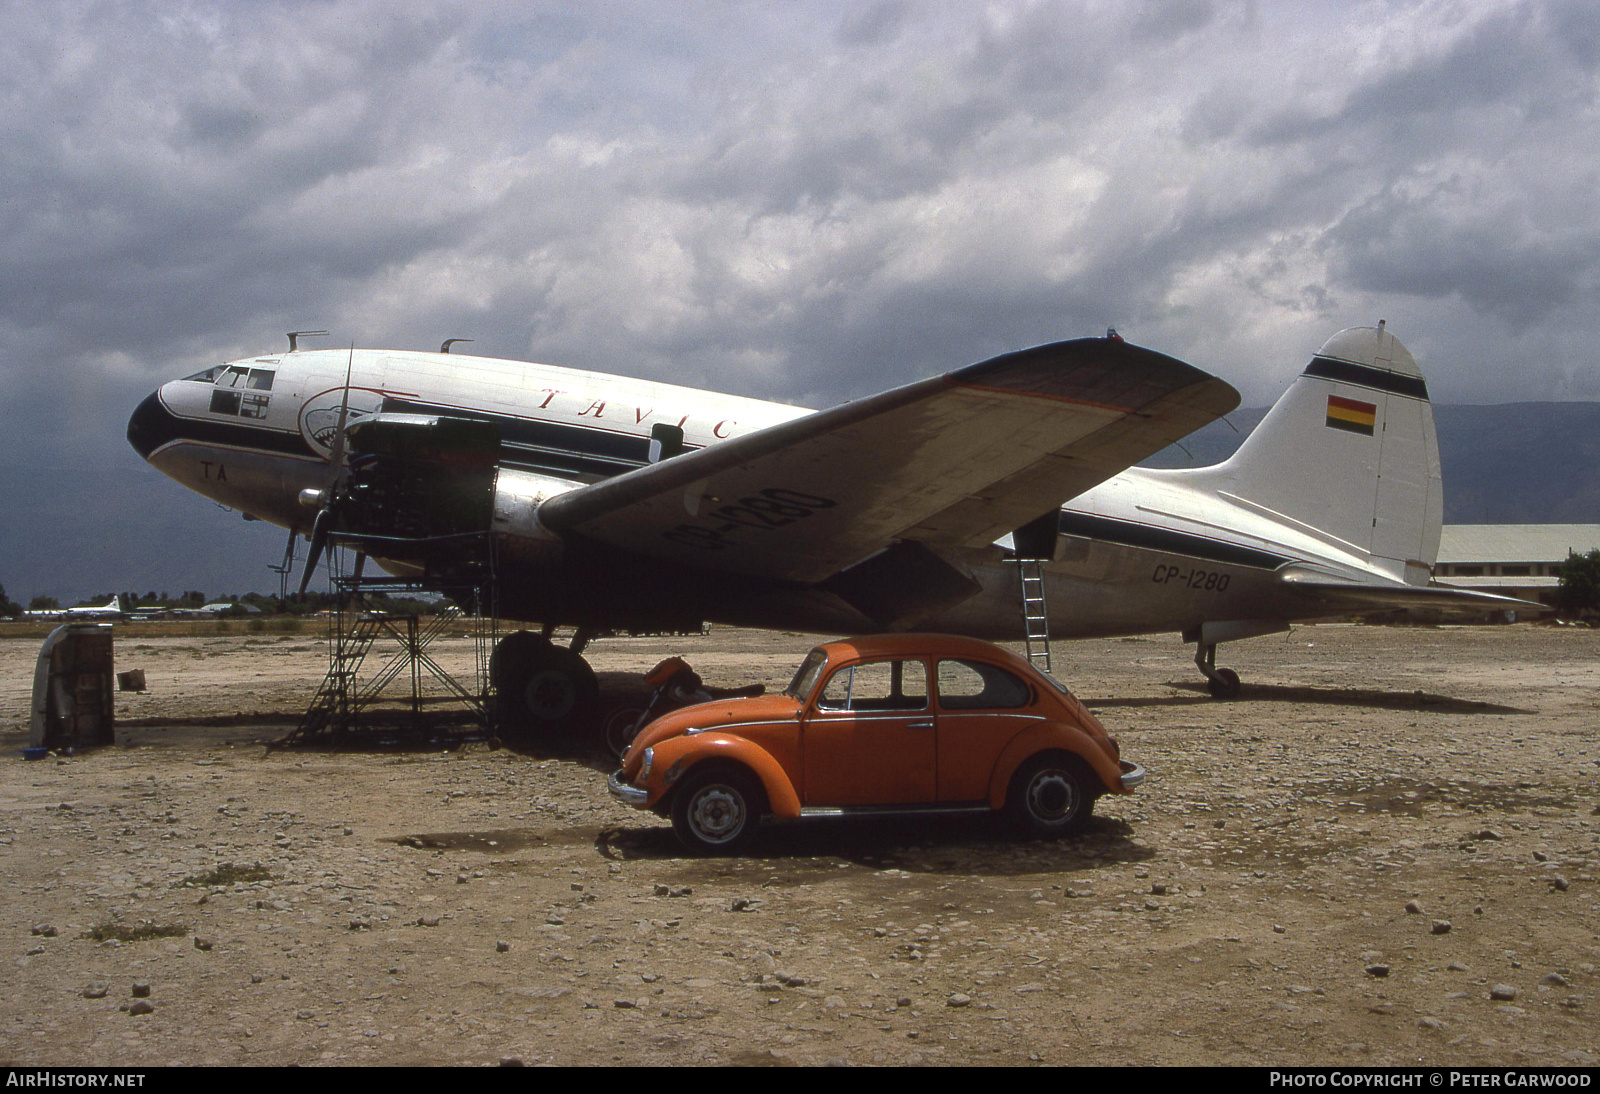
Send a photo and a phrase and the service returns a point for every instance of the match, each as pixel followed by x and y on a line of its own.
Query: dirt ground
pixel 473 905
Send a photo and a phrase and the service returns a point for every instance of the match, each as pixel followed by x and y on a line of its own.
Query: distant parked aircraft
pixel 86 614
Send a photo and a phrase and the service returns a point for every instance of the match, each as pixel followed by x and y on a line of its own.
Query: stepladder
pixel 1035 612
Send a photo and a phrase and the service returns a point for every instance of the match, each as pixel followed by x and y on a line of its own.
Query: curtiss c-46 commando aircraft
pixel 610 503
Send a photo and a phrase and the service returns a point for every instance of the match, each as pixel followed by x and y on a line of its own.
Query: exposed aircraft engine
pixel 419 489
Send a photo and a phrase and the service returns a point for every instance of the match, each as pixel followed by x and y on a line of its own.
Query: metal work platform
pixel 410 695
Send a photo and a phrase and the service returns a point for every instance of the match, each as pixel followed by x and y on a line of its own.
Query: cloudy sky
pixel 798 201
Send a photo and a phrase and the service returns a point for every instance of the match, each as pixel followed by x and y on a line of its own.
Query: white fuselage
pixel 1145 551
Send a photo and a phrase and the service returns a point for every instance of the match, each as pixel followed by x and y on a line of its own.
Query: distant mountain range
pixel 1513 463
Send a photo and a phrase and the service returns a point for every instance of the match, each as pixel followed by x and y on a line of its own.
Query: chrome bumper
pixel 1132 775
pixel 623 791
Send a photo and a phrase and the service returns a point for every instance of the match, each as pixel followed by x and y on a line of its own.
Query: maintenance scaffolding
pixel 435 702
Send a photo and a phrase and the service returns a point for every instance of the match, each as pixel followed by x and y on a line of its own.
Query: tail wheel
pixel 717 812
pixel 1224 685
pixel 1053 794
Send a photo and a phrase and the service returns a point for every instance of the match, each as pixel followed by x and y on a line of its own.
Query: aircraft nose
pixel 151 426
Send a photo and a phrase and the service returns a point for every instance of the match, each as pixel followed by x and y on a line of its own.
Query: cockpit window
pixel 207 376
pixel 237 391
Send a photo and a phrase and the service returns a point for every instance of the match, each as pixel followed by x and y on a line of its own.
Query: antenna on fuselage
pixel 448 342
pixel 295 335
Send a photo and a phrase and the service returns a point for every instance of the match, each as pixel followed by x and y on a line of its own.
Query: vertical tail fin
pixel 1349 454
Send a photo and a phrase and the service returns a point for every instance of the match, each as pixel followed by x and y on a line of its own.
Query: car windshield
pixel 806 679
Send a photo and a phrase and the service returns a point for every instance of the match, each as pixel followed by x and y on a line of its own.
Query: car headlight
pixel 649 759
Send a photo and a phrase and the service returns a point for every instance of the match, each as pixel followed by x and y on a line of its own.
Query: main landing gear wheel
pixel 1221 683
pixel 544 689
pixel 1053 794
pixel 717 812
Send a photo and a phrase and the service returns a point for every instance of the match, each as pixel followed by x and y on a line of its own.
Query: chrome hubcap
pixel 717 813
pixel 1051 795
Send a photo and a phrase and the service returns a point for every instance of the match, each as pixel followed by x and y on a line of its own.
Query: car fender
pixel 1043 738
pixel 680 755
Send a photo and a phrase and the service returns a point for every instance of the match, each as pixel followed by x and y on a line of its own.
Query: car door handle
pixel 919 725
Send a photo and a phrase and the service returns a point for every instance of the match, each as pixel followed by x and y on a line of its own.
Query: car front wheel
pixel 716 812
pixel 1053 794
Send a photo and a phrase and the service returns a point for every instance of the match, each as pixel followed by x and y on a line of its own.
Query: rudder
pixel 1349 454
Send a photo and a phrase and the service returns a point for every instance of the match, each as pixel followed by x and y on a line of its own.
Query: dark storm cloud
pixel 795 201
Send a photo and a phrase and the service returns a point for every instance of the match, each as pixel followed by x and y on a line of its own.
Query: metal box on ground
pixel 73 688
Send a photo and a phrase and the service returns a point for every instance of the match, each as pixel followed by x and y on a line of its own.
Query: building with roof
pixel 1521 560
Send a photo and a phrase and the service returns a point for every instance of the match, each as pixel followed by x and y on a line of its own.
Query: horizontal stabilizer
pixel 1355 597
pixel 956 460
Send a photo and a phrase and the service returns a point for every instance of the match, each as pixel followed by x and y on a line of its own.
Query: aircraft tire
pixel 1053 794
pixel 544 690
pixel 717 811
pixel 1224 685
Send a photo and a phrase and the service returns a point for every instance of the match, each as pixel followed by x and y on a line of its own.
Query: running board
pixel 889 810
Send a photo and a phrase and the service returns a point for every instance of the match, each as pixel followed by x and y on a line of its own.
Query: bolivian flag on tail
pixel 1351 415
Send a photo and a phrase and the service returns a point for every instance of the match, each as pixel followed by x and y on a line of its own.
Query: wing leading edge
pixel 955 460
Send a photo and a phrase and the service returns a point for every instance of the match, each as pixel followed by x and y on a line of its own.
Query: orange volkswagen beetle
pixel 895 723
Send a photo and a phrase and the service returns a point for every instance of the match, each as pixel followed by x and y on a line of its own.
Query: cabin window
pixel 973 685
pixel 261 379
pixel 877 686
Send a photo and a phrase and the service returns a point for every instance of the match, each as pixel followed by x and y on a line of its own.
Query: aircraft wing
pixel 959 459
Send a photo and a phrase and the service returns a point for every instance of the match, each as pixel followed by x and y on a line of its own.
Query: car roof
pixel 924 645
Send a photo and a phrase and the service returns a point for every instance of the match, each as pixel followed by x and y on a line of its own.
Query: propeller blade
pixel 324 521
pixel 361 564
pixel 336 451
pixel 319 540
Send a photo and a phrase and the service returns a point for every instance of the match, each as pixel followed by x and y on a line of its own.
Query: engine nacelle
pixel 517 497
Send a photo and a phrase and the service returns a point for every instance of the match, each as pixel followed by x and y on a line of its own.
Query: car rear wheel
pixel 716 812
pixel 1053 794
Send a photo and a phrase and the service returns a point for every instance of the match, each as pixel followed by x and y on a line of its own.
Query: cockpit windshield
pixel 236 391
pixel 806 679
pixel 207 376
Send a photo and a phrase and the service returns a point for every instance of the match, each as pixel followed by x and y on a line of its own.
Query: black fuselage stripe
pixel 1345 372
pixel 1132 534
pixel 549 445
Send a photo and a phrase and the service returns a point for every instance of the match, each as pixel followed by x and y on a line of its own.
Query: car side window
pixel 877 686
pixel 973 685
